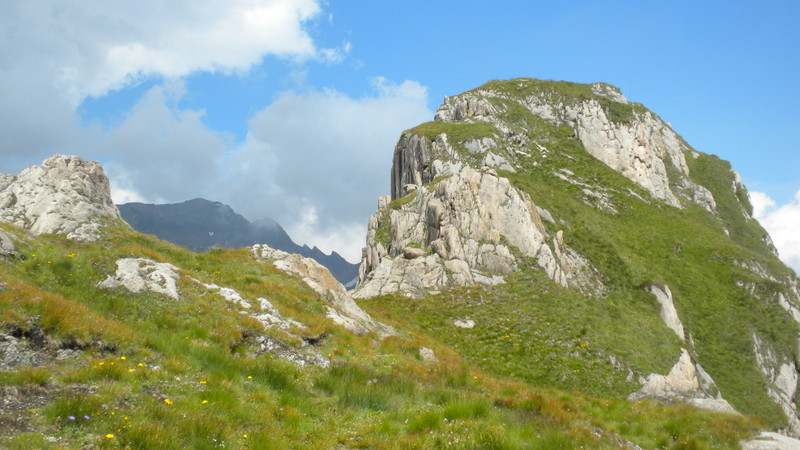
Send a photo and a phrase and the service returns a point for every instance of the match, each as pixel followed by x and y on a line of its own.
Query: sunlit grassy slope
pixel 147 371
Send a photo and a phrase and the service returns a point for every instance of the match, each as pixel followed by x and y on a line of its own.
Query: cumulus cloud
pixel 54 54
pixel 329 154
pixel 159 153
pixel 315 161
pixel 93 46
pixel 782 222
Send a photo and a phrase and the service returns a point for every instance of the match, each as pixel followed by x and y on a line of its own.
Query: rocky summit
pixel 554 267
pixel 618 213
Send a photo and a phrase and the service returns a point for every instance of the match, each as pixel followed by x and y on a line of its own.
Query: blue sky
pixel 290 108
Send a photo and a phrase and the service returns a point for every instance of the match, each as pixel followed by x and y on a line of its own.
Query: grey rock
pixel 469 222
pixel 781 372
pixel 463 107
pixel 668 312
pixel 427 355
pixel 142 274
pixel 682 384
pixel 413 252
pixel 770 441
pixel 341 307
pixel 65 195
pixel 7 248
pixel 608 91
pixel 14 352
pixel 545 215
pixel 466 323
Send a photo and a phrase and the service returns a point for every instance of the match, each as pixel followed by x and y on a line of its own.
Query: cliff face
pixel 605 200
pixel 64 195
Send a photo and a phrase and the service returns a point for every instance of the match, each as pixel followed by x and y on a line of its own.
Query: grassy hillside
pixel 535 331
pixel 119 369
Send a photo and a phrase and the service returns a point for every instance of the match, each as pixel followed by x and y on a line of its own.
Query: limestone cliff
pixel 64 195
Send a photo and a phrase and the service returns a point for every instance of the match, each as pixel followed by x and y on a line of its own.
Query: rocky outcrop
pixel 341 307
pixel 265 312
pixel 463 230
pixel 436 233
pixel 668 312
pixel 686 382
pixel 643 148
pixel 770 441
pixel 65 195
pixel 142 274
pixel 8 250
pixel 782 376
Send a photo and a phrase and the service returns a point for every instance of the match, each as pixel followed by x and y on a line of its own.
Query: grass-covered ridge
pixel 563 92
pixel 146 371
pixel 456 132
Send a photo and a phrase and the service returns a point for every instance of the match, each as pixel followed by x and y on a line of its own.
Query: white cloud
pixel 317 150
pixel 93 46
pixel 314 161
pixel 782 223
pixel 347 239
pixel 332 153
pixel 54 54
pixel 160 153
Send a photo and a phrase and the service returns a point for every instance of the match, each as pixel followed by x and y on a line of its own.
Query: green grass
pixel 154 372
pixel 544 367
pixel 456 132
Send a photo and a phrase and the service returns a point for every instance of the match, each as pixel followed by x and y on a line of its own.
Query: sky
pixel 291 108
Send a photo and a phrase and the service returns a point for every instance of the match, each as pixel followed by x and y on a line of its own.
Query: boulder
pixel 65 195
pixel 142 274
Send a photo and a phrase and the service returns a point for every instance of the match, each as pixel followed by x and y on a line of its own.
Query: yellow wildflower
pixel 167 401
pixel 204 402
pixel 110 436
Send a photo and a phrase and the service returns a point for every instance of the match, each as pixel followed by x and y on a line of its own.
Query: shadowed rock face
pixel 64 195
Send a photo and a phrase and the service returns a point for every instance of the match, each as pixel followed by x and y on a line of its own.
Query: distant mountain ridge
pixel 201 225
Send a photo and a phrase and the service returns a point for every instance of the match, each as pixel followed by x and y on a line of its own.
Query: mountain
pixel 200 225
pixel 554 268
pixel 560 235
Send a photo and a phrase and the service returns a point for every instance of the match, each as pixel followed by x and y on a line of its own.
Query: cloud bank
pixel 55 54
pixel 313 159
pixel 782 223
